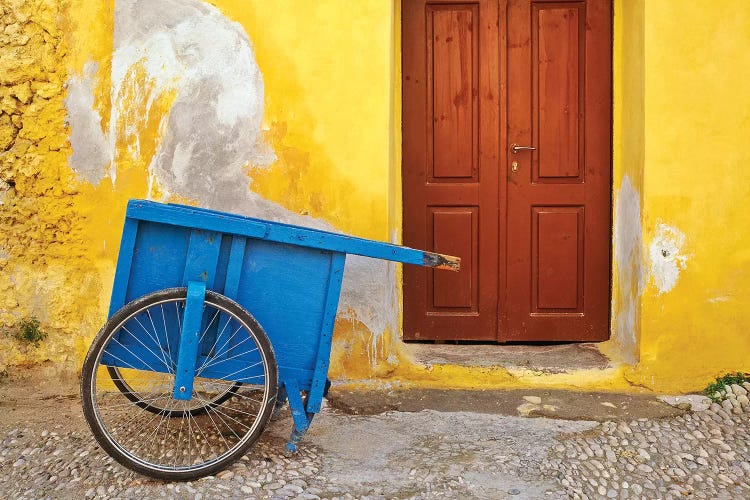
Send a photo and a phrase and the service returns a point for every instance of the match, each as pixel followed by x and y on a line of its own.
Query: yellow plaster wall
pixel 328 116
pixel 327 71
pixel 332 117
pixel 697 127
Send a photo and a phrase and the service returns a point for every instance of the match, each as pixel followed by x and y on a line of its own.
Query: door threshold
pixel 552 358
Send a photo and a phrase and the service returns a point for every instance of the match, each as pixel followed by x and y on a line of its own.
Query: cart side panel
pixel 158 260
pixel 284 287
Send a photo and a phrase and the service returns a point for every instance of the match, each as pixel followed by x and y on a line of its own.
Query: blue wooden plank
pixel 202 257
pixel 179 215
pixel 274 231
pixel 234 267
pixel 284 288
pixel 158 260
pixel 301 376
pixel 189 339
pixel 326 332
pixel 221 265
pixel 124 262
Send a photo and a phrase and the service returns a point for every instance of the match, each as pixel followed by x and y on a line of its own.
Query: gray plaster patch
pixel 628 249
pixel 213 128
pixel 91 149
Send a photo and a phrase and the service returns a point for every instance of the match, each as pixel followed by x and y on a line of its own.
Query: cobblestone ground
pixel 705 454
pixel 428 454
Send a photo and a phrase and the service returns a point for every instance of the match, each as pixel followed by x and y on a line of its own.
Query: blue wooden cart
pixel 215 321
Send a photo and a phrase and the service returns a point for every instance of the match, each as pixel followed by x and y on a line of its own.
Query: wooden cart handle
pixel 440 261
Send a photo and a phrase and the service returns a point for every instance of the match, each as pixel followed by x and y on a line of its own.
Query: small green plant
pixel 715 389
pixel 29 332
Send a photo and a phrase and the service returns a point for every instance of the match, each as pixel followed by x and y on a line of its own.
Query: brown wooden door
pixel 558 212
pixel 450 166
pixel 531 227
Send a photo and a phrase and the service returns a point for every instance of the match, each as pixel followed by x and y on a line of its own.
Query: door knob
pixel 515 148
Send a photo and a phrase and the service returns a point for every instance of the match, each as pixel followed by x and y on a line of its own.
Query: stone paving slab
pixel 558 404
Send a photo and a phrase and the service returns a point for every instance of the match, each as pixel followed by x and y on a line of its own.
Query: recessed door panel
pixel 557 259
pixel 558 40
pixel 452 58
pixel 455 232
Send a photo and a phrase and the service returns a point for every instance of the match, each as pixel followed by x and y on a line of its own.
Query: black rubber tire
pixel 122 455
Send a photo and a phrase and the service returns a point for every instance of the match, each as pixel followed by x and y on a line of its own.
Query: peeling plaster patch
pixel 368 296
pixel 666 260
pixel 628 245
pixel 213 129
pixel 723 298
pixel 91 149
pixel 4 190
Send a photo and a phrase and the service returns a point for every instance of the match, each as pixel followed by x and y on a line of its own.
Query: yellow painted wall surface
pixel 697 127
pixel 331 117
pixel 627 178
pixel 327 71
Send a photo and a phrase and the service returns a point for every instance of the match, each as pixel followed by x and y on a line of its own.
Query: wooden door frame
pixel 503 237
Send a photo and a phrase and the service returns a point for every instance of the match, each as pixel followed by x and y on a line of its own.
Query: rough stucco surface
pixel 43 269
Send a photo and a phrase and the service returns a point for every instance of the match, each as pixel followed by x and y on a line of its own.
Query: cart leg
pixel 300 415
pixel 189 340
pixel 280 400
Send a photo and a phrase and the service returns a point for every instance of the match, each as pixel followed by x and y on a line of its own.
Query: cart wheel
pixel 212 394
pixel 201 437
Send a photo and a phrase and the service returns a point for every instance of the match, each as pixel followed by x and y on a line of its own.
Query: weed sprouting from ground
pixel 715 389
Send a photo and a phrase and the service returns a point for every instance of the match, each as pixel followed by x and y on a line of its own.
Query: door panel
pixel 452 120
pixel 559 82
pixel 557 259
pixel 455 231
pixel 558 34
pixel 450 165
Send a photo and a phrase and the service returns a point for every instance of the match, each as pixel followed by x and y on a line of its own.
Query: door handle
pixel 515 148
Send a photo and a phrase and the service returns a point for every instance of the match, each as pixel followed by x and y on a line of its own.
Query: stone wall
pixel 43 270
